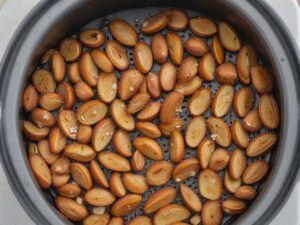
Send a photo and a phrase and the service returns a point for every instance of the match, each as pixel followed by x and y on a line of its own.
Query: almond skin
pixel 196 46
pixel 202 27
pixel 222 100
pixel 123 32
pixel 200 101
pixel 229 37
pixel 231 185
pixel 91 112
pixel 268 111
pixel 261 144
pixel 255 172
pixel 167 76
pixel 79 152
pixel 159 173
pixel 40 170
pixel 243 101
pixel 122 143
pixel 207 67
pixel 126 204
pixel 66 91
pixel 171 214
pixel 154 24
pixel 81 175
pixel 83 91
pixel 153 87
pixel 170 107
pixel 211 213
pixel 176 146
pixel 92 38
pixel 210 185
pixel 237 164
pixel 88 69
pixel 219 159
pixel 188 69
pixel 143 58
pixel 120 115
pixel 149 112
pixel 42 118
pixel 114 161
pixel 50 101
pixel 226 73
pixel 219 131
pixel 102 61
pixel 43 81
pixel 116 185
pixel 99 197
pixel 102 134
pixel 233 206
pixel 190 198
pixel 135 183
pixel 98 174
pixel 117 55
pixel 148 147
pixel 239 135
pixel 217 50
pixel 159 48
pixel 71 209
pixel 195 131
pixel 137 161
pixel 30 98
pixel 205 150
pixel 148 129
pixel 175 47
pixel 245 192
pixel 185 168
pixel 251 121
pixel 189 87
pixel 177 19
pixel 138 102
pixel 262 79
pixel 246 59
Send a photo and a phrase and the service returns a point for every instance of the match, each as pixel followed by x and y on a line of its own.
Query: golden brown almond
pixel 195 219
pixel 43 81
pixel 47 55
pixel 207 67
pixel 154 23
pixel 262 79
pixel 61 166
pixel 205 150
pixel 222 100
pixel 44 150
pixel 159 48
pixel 116 220
pixel 50 101
pixel 129 84
pixel 122 143
pixel 107 87
pixel 102 134
pixel 70 49
pixel 159 173
pixel 200 101
pixel 73 73
pixel 251 121
pixel 143 88
pixel 175 47
pixel 42 118
pixel 150 111
pixel 123 32
pixel 79 152
pixel 94 219
pixel 117 55
pixel 59 180
pixel 229 37
pixel 188 69
pixel 268 111
pixel 185 168
pixel 99 197
pixel 226 73
pixel 195 131
pixel 30 98
pixel 83 91
pixel 137 161
pixel 114 161
pixel 98 174
pixel 245 192
pixel 255 172
pixel 40 170
pixel 67 123
pixel 58 67
pixel 167 76
pixel 93 38
pixel 88 69
pixel 143 58
pixel 33 132
pixel 120 115
pixel 210 185
pixel 190 87
pixel 233 206
pixel 91 112
pixel 231 185
pixel 126 204
pixel 148 147
pixel 202 27
pixel 57 140
pixel 261 144
pixel 159 199
pixel 239 135
pixel 217 50
pixel 237 164
pixel 69 190
pixel 138 102
pixel 219 159
pixel 196 46
pixel 171 214
pixel 71 209
pixel 190 198
pixel 65 90
pixel 178 20
pixel 243 101
pixel 102 61
pixel 152 81
pixel 135 183
pixel 84 134
pixel 140 220
pixel 116 185
pixel 176 146
pixel 171 106
pixel 81 175
pixel 148 129
pixel 211 213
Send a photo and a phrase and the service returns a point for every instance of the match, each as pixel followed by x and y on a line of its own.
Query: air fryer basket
pixel 51 21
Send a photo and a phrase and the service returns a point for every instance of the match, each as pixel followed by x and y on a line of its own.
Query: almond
pixel 58 66
pixel 84 134
pixel 195 131
pixel 81 175
pixel 196 46
pixel 116 185
pixel 185 168
pixel 79 152
pixel 69 190
pixel 94 219
pixel 137 161
pixel 170 107
pixel 140 220
pixel 237 164
pixel 92 38
pixel 70 49
pixel 159 173
pixel 117 55
pixel 239 135
pixel 222 100
pixel 130 83
pixel 210 185
pixel 61 166
pixel 167 128
pixel 83 91
pixel 99 197
pixel 59 180
pixel 195 219
pixel 126 204
pixel 261 144
pixel 117 220
pixel 88 69
pixel 42 118
pixel 243 101
pixel 205 150
pixel 148 129
pixel 188 69
pixel 74 73
pixel 188 88
pixel 40 170
pixel 67 123
pixel 143 88
pixel 57 140
pixel 175 47
pixel 217 50
pixel 229 37
pixel 154 24
pixel 148 147
pixel 245 192
pixel 98 174
pixel 262 79
pixel 123 32
pixel 135 183
pixel 65 90
pixel 159 48
pixel 202 27
pixel 47 55
pixel 138 102
pixel 167 76
pixel 176 146
pixel 200 101
pixel 71 209
pixel 120 115
pixel 269 111
pixel 233 206
pixel 246 59
pixel 190 198
pixel 91 112
pixel 226 73
pixel 211 213
pixel 30 98
pixel 143 58
pixel 107 87
pixel 251 121
pixel 44 150
pixel 102 61
pixel 177 19
pixel 122 143
pixel 219 159
pixel 149 112
pixel 207 67
pixel 255 172
pixel 50 101
pixel 152 81
pixel 114 161
pixel 231 185
pixel 33 132
pixel 171 214
pixel 43 81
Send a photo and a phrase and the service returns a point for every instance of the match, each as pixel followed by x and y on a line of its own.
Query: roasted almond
pixel 81 175
pixel 239 135
pixel 79 152
pixel 83 91
pixel 148 129
pixel 207 67
pixel 175 47
pixel 137 161
pixel 93 38
pixel 88 69
pixel 210 185
pixel 195 219
pixel 149 112
pixel 170 107
pixel 43 81
pixel 211 213
pixel 217 50
pixel 226 73
pixel 159 173
pixel 59 180
pixel 243 101
pixel 185 168
pixel 120 115
pixel 99 197
pixel 171 214
pixel 143 58
pixel 70 49
pixel 50 101
pixel 98 174
pixel 188 69
pixel 262 79
pixel 167 128
pixel 94 219
pixel 219 159
pixel 138 102
pixel 61 166
pixel 200 101
pixel 66 91
pixel 47 55
pixel 152 81
pixel 190 198
pixel 91 112
pixel 140 220
pixel 167 76
pixel 126 204
pixel 117 55
pixel 135 183
pixel 33 132
pixel 202 27
pixel 196 46
pixel 116 185
pixel 268 111
pixel 245 192
pixel 159 48
pixel 116 220
pixel 231 185
pixel 177 19
pixel 102 134
pixel 102 61
pixel 148 147
pixel 114 161
pixel 246 59
pixel 67 123
pixel 30 98
pixel 58 67
pixel 233 206
pixel 237 164
pixel 255 172
pixel 154 23
pixel 123 32
pixel 205 150
pixel 261 144
pixel 189 87
pixel 74 73
pixel 69 190
pixel 129 84
pixel 40 170
pixel 122 143
pixel 195 131
pixel 71 209
pixel 107 87
pixel 84 134
pixel 229 37
pixel 57 140
pixel 42 118
pixel 222 100
pixel 44 150
pixel 176 146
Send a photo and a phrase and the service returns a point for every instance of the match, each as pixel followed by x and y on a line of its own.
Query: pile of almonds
pixel 67 149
